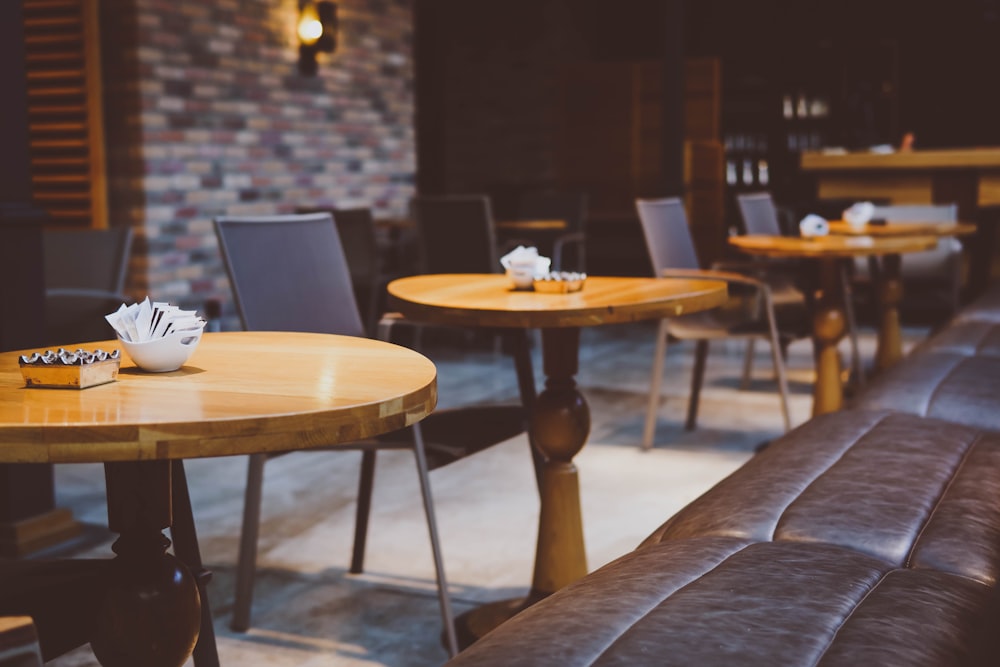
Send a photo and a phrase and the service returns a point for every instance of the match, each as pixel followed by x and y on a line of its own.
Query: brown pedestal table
pixel 829 318
pixel 560 417
pixel 239 393
pixel 887 274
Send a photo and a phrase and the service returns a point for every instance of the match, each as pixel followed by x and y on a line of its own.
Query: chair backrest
pixel 917 213
pixel 760 216
pixel 289 273
pixel 668 237
pixel 95 259
pixel 554 205
pixel 456 234
pixel 356 228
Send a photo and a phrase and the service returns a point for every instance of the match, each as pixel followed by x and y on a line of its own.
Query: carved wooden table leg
pixel 829 327
pixel 151 611
pixel 560 424
pixel 890 293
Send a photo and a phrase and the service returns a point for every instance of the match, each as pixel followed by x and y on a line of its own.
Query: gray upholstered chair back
pixel 760 216
pixel 668 237
pixel 456 234
pixel 289 273
pixel 95 259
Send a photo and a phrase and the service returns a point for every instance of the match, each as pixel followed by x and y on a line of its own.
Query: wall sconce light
pixel 317 31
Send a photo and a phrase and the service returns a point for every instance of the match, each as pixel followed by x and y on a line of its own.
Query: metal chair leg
pixel 747 364
pixel 857 366
pixel 185 537
pixel 697 377
pixel 779 366
pixel 246 564
pixel 365 483
pixel 425 489
pixel 654 385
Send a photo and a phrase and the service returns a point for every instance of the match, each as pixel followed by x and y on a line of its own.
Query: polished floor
pixel 308 611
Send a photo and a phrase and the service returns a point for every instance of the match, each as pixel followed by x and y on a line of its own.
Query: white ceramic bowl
pixel 163 354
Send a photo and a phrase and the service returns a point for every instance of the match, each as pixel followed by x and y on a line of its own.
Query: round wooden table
pixel 887 273
pixel 560 417
pixel 829 319
pixel 239 393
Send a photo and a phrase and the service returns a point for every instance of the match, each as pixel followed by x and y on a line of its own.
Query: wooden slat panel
pixel 65 114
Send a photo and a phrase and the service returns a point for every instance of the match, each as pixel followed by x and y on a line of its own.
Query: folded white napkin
pixel 860 214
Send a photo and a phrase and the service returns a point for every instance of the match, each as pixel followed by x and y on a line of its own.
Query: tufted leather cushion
pixel 909 491
pixel 720 601
pixel 944 383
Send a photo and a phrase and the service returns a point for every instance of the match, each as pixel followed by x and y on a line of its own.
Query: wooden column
pixel 28 518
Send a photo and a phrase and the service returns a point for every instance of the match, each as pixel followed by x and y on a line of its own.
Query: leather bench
pixel 953 375
pixel 860 538
pixel 865 537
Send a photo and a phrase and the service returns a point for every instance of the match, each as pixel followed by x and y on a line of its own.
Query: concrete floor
pixel 309 612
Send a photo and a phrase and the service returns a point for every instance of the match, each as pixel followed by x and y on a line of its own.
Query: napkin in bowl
pixel 860 214
pixel 814 225
pixel 523 265
pixel 145 321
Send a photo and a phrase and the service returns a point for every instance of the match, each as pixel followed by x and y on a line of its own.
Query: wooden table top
pixel 831 246
pixel 841 228
pixel 489 300
pixel 239 393
pixel 532 225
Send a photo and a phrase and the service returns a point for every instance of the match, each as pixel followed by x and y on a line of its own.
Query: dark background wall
pixel 496 67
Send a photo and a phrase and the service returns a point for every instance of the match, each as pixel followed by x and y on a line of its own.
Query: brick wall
pixel 207 115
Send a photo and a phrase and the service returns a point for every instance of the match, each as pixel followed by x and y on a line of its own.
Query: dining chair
pixel 747 314
pixel 272 262
pixel 760 216
pixel 570 206
pixel 85 274
pixel 455 234
pixel 289 273
pixel 356 228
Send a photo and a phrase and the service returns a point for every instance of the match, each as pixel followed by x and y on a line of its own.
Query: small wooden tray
pixel 62 376
pixel 558 286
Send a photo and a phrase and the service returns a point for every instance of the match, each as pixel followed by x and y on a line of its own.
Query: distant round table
pixel 560 417
pixel 239 393
pixel 829 319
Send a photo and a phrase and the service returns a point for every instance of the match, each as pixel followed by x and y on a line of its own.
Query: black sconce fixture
pixel 317 30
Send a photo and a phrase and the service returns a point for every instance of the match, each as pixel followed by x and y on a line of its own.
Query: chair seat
pixel 454 433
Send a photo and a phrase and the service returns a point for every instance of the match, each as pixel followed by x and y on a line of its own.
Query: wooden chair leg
pixel 655 381
pixel 246 564
pixel 444 599
pixel 697 376
pixel 185 539
pixel 366 482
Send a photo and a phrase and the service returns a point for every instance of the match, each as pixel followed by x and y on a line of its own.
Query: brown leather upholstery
pixel 719 601
pixel 901 489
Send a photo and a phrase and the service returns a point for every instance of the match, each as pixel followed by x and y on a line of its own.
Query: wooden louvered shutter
pixel 62 61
